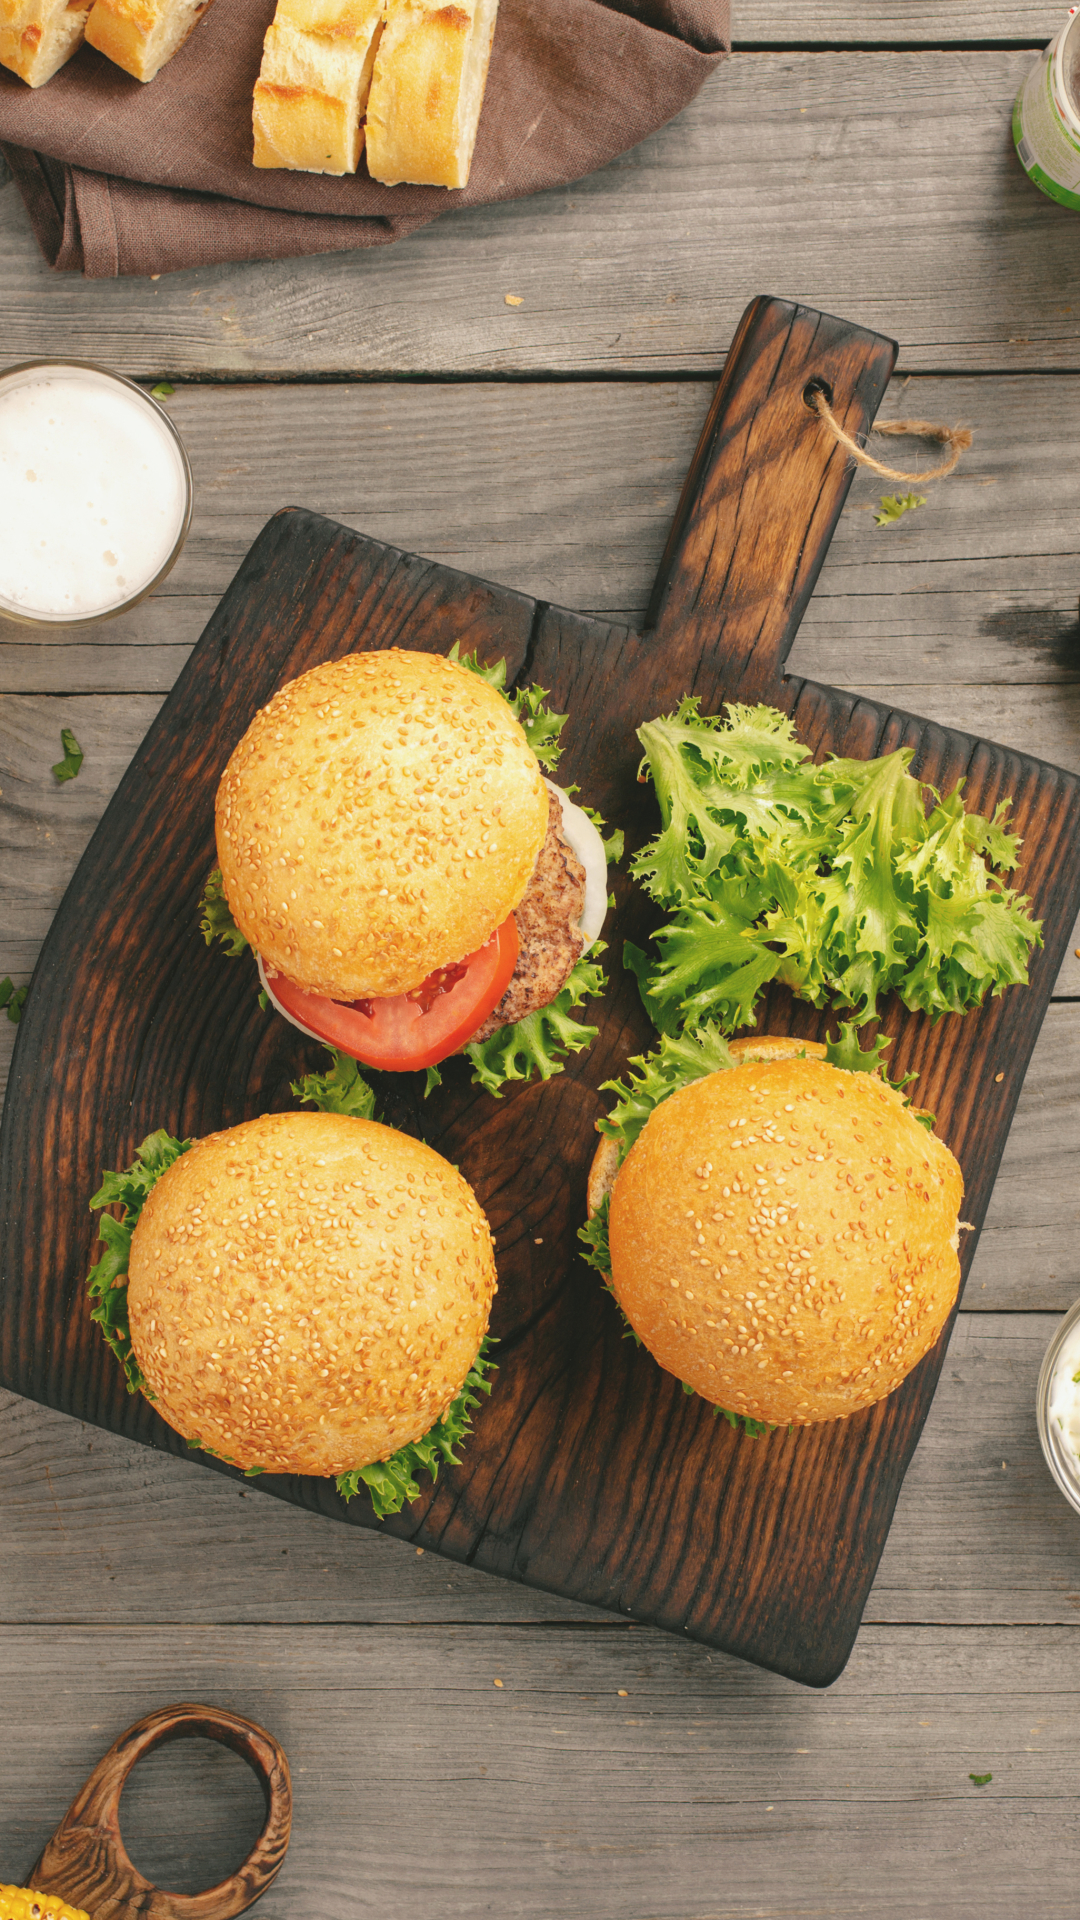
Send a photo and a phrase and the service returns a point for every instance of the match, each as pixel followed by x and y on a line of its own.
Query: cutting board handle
pixel 764 492
pixel 87 1863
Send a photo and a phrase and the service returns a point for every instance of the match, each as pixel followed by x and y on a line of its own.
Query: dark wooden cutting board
pixel 591 1474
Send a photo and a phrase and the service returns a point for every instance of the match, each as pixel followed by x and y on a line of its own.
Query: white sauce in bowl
pixel 94 492
pixel 1064 1403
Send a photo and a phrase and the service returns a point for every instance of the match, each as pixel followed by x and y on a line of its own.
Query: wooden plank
pixel 613 1773
pixel 570 490
pixel 94 1527
pixel 645 267
pixel 760 23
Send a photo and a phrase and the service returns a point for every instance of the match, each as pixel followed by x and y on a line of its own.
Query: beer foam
pixel 93 493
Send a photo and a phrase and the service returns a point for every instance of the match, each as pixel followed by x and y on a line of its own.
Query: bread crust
pixel 313 84
pixel 783 1239
pixel 37 37
pixel 378 820
pixel 307 1292
pixel 427 91
pixel 141 35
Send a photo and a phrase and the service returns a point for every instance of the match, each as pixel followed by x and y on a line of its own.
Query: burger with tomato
pixel 410 882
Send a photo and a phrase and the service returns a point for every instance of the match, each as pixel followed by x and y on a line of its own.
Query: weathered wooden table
pixel 857 156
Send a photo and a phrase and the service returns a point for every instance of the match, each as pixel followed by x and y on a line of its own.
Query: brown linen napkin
pixel 121 178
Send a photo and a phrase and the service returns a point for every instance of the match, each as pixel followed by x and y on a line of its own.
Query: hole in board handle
pixel 816 385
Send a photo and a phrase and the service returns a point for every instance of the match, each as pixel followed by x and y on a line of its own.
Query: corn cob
pixel 20 1903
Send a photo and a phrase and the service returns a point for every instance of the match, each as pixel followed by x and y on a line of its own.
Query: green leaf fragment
pixel 392 1482
pixel 68 767
pixel 653 1077
pixel 162 391
pixel 980 1779
pixel 540 1043
pixel 893 506
pixel 341 1089
pixel 215 917
pixel 13 999
pixel 107 1279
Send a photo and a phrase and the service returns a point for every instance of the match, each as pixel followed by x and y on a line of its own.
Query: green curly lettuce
pixel 215 918
pixel 341 1089
pixel 392 1482
pixel 107 1280
pixel 843 882
pixel 539 1044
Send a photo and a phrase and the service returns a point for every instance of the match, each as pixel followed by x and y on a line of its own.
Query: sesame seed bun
pixel 307 1292
pixel 378 820
pixel 783 1236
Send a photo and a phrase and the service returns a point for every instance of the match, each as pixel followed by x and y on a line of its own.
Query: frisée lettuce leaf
pixel 844 882
pixel 392 1482
pixel 215 918
pixel 107 1279
pixel 341 1089
pixel 539 1044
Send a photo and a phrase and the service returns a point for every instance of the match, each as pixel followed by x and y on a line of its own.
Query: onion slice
pixel 266 978
pixel 584 840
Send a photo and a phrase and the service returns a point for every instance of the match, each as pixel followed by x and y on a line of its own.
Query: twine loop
pixel 956 439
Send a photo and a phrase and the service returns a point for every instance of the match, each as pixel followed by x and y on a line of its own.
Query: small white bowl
pixel 1060 1458
pixel 88 377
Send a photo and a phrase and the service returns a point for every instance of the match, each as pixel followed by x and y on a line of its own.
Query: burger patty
pixel 547 922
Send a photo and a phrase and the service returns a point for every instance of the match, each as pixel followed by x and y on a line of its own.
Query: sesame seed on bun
pixel 378 820
pixel 783 1236
pixel 307 1292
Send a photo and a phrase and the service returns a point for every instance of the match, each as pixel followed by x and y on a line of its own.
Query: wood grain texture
pixel 882 23
pixel 566 493
pixel 576 1413
pixel 645 267
pixel 95 1528
pixel 87 1863
pixel 622 1773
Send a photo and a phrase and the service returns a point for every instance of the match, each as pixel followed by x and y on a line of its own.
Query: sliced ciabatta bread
pixel 313 84
pixel 427 91
pixel 37 36
pixel 140 35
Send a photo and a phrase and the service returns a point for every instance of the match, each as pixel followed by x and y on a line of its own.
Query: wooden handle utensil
pixel 87 1864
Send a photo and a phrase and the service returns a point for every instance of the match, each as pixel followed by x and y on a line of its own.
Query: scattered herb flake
pixel 13 998
pixel 894 505
pixel 980 1779
pixel 68 767
pixel 162 391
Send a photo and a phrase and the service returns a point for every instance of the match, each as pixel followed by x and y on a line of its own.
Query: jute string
pixel 957 439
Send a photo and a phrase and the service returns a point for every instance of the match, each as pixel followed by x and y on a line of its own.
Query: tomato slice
pixel 411 1030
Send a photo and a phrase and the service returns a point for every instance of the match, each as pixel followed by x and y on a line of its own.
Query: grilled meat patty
pixel 547 922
